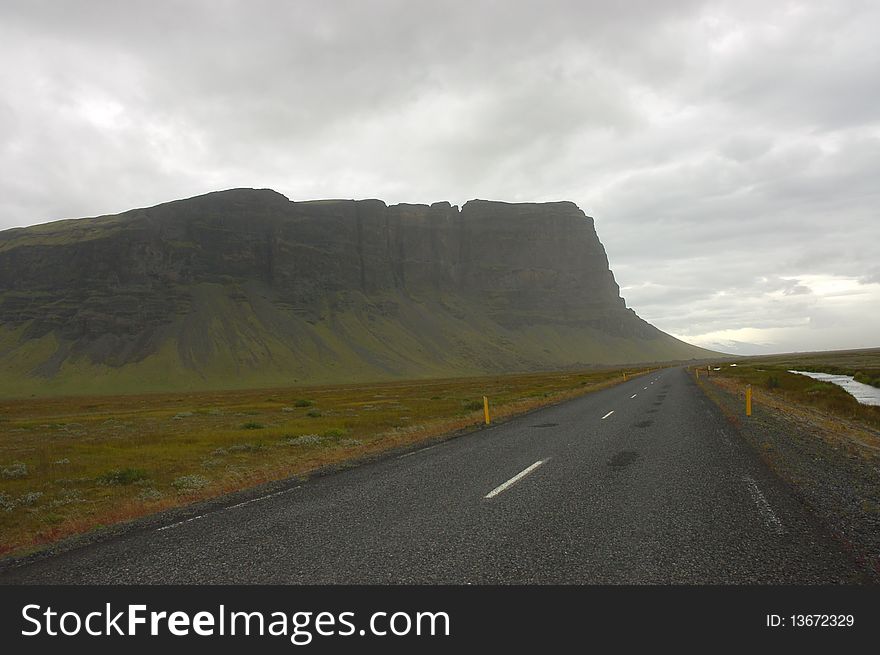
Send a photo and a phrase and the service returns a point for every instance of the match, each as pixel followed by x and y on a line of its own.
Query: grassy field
pixel 863 364
pixel 69 465
pixel 769 377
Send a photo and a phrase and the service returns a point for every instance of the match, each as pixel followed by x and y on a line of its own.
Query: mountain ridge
pixel 244 287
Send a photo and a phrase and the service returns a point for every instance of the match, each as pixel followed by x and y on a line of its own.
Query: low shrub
pixel 14 470
pixel 303 440
pixel 190 482
pixel 149 494
pixel 7 502
pixel 30 497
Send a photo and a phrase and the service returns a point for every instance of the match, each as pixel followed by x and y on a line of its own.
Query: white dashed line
pixel 254 500
pixel 770 519
pixel 247 502
pixel 516 478
pixel 608 414
pixel 633 396
pixel 174 525
pixel 420 450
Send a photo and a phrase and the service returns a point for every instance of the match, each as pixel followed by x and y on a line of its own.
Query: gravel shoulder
pixel 833 466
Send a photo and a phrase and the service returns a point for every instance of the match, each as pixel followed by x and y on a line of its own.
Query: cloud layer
pixel 729 151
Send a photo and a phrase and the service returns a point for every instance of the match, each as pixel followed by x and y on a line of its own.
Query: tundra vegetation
pixel 771 375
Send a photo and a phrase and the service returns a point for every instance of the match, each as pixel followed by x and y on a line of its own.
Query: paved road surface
pixel 641 483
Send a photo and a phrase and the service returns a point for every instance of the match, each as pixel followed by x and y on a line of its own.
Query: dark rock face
pixel 112 287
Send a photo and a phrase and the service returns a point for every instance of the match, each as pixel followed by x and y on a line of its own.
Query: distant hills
pixel 245 288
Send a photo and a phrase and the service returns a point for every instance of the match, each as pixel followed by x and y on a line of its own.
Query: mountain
pixel 245 288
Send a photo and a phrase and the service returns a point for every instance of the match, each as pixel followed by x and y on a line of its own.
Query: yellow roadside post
pixel 624 376
pixel 486 409
pixel 748 400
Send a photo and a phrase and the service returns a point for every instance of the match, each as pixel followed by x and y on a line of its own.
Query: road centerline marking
pixel 633 396
pixel 608 414
pixel 516 478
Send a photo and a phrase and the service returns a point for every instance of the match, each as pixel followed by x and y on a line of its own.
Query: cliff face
pixel 245 287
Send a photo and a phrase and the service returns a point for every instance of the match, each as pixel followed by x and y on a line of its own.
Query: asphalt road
pixel 644 482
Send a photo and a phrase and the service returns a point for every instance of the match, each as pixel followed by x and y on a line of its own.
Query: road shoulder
pixel 836 477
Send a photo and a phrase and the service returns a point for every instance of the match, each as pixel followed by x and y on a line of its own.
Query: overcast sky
pixel 729 151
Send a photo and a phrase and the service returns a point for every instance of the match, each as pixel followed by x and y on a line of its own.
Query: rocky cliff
pixel 244 287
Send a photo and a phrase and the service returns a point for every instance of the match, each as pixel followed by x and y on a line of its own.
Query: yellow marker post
pixel 486 409
pixel 624 376
pixel 748 400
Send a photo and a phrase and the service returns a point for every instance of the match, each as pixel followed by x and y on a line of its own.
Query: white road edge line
pixel 516 478
pixel 608 414
pixel 174 525
pixel 254 500
pixel 770 519
pixel 633 396
pixel 416 452
pixel 247 502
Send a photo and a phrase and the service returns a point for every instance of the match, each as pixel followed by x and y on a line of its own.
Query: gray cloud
pixel 729 151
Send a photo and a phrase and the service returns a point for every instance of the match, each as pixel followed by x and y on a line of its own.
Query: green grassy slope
pixel 235 338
